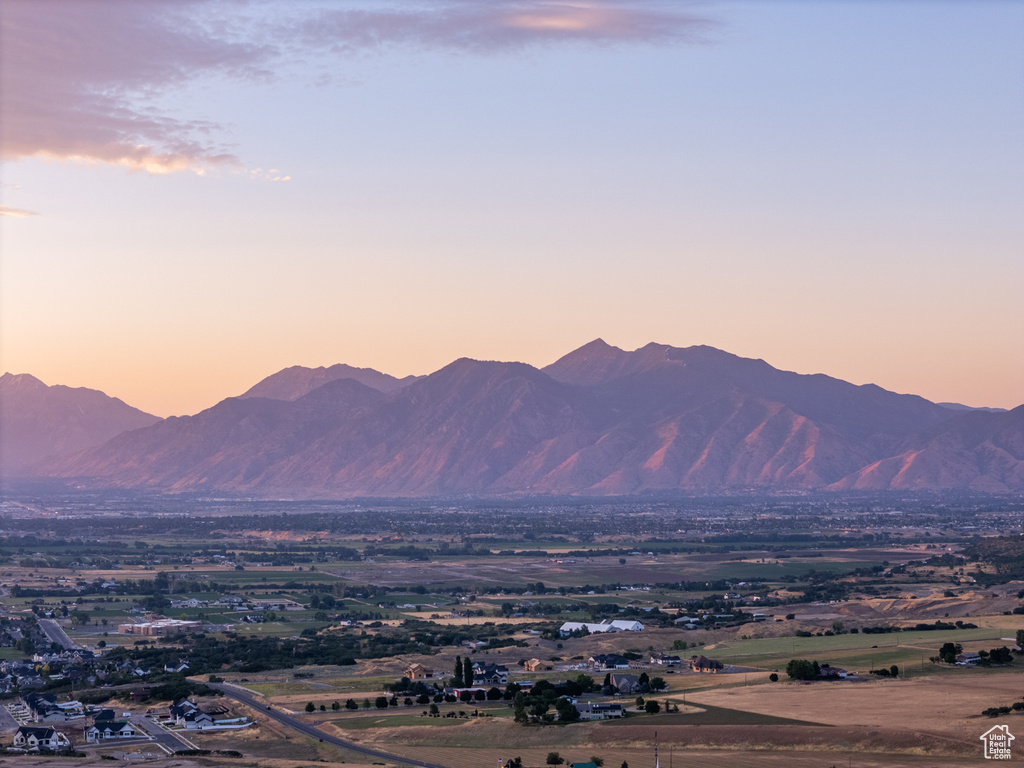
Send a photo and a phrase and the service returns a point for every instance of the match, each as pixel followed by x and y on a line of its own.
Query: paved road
pixel 56 633
pixel 170 740
pixel 260 705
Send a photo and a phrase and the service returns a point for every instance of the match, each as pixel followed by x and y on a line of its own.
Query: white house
pixel 621 625
pixel 109 730
pixel 36 738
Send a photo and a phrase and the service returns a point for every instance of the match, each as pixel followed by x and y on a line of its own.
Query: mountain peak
pixel 296 381
pixel 21 381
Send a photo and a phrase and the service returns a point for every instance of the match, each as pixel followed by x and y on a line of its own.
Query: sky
pixel 196 194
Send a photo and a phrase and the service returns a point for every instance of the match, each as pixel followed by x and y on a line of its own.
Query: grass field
pixel 756 651
pixel 711 715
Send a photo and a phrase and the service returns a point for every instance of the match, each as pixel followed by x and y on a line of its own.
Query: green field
pixel 774 571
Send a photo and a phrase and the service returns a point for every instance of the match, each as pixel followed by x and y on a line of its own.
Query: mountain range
pixel 39 422
pixel 600 421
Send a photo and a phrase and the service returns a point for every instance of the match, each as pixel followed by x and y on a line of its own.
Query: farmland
pixel 320 613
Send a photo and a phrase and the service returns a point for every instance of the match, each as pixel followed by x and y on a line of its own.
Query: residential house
pixel 625 683
pixel 608 661
pixel 492 674
pixel 109 729
pixel 830 672
pixel 35 738
pixel 666 661
pixel 536 665
pixel 599 711
pixel 704 664
pixel 419 672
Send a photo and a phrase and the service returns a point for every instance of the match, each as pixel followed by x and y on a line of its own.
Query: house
pixel 830 672
pixel 419 672
pixel 44 708
pixel 139 695
pixel 493 674
pixel 968 659
pixel 109 729
pixel 704 664
pixel 179 709
pixel 608 661
pixel 36 738
pixel 625 683
pixel 536 665
pixel 666 661
pixel 621 625
pixel 196 720
pixel 597 711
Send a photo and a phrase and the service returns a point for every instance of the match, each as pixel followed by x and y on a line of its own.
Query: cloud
pixel 482 27
pixel 17 213
pixel 79 80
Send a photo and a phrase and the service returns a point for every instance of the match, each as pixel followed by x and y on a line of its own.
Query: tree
pixel 652 708
pixel 567 712
pixel 336 706
pixel 310 707
pixel 802 669
pixel 773 677
pixel 467 672
pixel 949 651
pixel 433 709
pixel 999 656
pixel 1020 638
pixel 598 761
pixel 658 684
pixel 555 759
pixel 519 709
pixel 458 682
pixel 366 704
pixel 350 704
pixel 894 671
pixel 381 702
pixel 640 702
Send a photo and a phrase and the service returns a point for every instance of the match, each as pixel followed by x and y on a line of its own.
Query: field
pixel 402 599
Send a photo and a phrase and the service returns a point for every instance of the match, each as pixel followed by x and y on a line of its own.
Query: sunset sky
pixel 197 194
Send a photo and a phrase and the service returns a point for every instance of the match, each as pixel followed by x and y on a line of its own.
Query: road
pixel 56 633
pixel 170 741
pixel 260 705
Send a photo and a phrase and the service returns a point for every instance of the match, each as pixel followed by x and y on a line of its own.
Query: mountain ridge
pixel 39 421
pixel 598 421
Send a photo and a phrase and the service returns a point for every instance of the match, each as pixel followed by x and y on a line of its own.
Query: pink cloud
pixel 482 27
pixel 75 78
pixel 78 77
pixel 18 213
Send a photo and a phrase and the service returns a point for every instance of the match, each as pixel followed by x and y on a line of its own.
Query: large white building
pixel 621 625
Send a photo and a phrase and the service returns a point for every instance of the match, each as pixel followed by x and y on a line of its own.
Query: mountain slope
pixel 600 421
pixel 37 421
pixel 980 450
pixel 292 383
